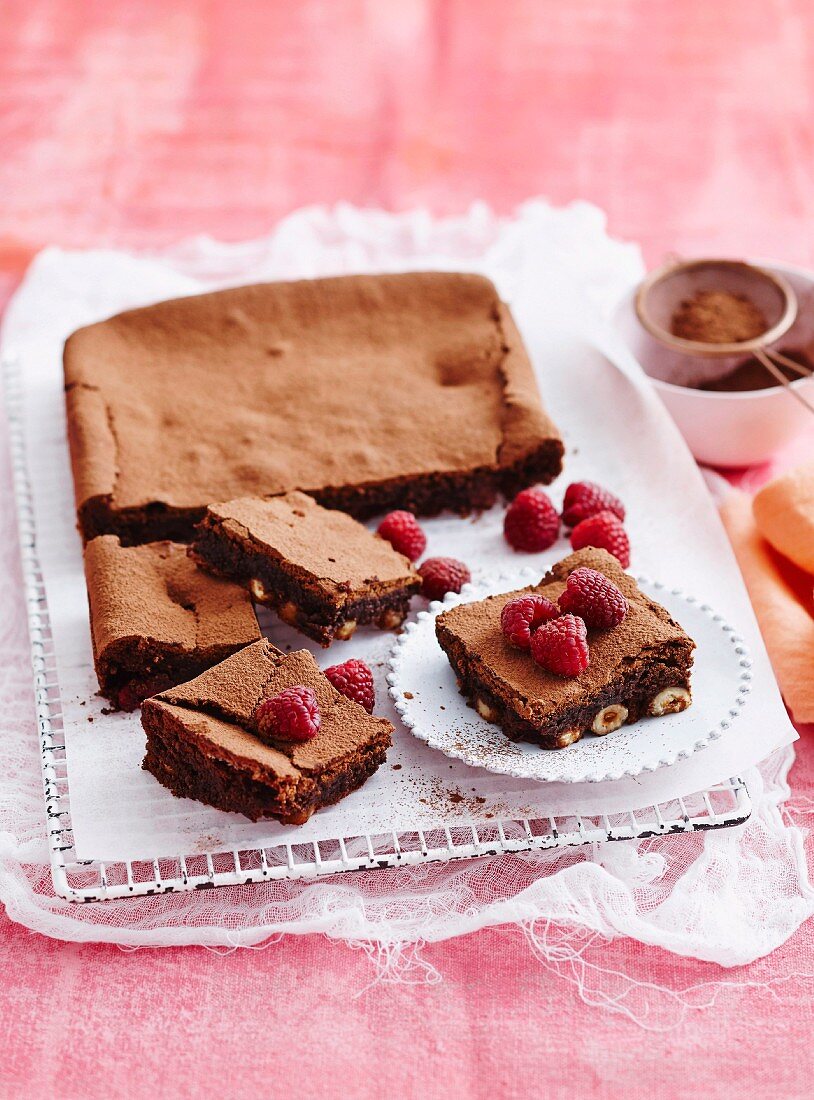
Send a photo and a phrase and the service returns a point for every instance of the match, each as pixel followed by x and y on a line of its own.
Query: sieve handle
pixel 776 373
pixel 784 361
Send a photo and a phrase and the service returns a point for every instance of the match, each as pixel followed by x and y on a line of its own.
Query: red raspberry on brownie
pixel 584 499
pixel 291 715
pixel 531 522
pixel 523 615
pixel 561 646
pixel 590 595
pixel 605 531
pixel 402 531
pixel 355 680
pixel 442 575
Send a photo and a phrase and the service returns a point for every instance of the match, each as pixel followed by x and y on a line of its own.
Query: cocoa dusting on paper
pixel 446 800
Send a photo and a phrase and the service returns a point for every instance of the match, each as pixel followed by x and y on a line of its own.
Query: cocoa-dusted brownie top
pixel 155 593
pixel 325 549
pixel 511 674
pixel 216 709
pixel 315 385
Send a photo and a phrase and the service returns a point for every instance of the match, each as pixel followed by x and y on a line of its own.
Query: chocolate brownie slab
pixel 322 571
pixel 202 742
pixel 368 392
pixel 641 667
pixel 156 620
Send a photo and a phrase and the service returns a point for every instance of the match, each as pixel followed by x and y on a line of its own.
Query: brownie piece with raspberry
pixel 639 668
pixel 318 568
pixel 203 739
pixel 156 620
pixel 370 392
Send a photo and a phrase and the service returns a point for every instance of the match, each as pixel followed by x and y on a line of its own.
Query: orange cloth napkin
pixel 782 597
pixel 784 513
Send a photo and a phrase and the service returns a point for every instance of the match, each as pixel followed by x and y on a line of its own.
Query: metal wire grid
pixel 723 805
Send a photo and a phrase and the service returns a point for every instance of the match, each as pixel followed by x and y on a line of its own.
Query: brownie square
pixel 321 571
pixel 641 667
pixel 202 742
pixel 368 392
pixel 156 620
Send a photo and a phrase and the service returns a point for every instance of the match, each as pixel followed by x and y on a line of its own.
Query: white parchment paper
pixel 560 274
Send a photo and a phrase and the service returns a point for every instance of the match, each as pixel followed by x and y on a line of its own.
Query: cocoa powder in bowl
pixel 718 317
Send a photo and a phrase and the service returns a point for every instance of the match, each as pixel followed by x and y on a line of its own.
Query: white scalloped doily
pixel 721 684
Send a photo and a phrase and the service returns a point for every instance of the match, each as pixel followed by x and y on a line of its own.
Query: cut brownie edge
pixel 130 671
pixel 275 586
pixel 180 762
pixel 154 522
pixel 636 692
pixel 462 492
pixel 156 620
pixel 424 495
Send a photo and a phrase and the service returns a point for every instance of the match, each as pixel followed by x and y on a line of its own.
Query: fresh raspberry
pixel 521 616
pixel 292 715
pixel 402 531
pixel 589 594
pixel 605 531
pixel 442 575
pixel 561 646
pixel 355 680
pixel 585 498
pixel 531 521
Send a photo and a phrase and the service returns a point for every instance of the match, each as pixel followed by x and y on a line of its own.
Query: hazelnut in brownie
pixel 370 392
pixel 212 740
pixel 638 667
pixel 156 620
pixel 321 571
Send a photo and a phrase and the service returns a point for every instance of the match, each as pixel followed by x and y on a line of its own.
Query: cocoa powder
pixel 718 317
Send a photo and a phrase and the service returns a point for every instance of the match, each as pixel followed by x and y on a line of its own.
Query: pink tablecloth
pixel 135 124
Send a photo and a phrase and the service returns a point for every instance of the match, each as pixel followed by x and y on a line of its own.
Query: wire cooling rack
pixel 725 804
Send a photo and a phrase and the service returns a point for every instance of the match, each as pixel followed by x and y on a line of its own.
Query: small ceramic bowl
pixel 726 429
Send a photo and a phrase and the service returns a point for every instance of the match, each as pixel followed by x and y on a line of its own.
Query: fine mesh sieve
pixel 666 288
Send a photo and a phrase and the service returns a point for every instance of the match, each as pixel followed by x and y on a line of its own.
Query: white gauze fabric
pixel 728 896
